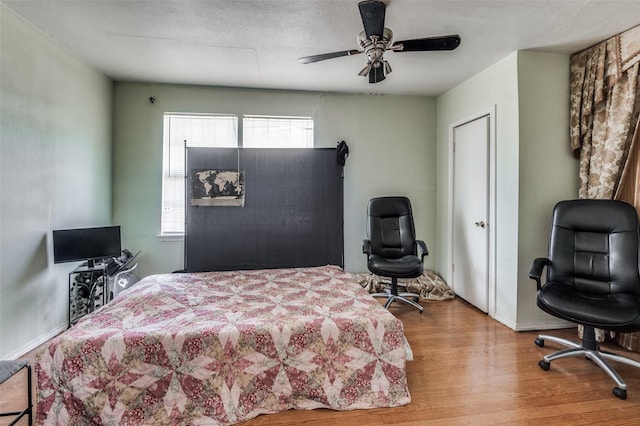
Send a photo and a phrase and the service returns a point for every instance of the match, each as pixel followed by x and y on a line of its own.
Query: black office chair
pixel 592 278
pixel 392 248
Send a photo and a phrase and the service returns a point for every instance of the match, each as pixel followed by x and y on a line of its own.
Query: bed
pixel 217 348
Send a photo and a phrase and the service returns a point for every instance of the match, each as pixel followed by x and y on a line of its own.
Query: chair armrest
pixel 423 249
pixel 366 246
pixel 535 273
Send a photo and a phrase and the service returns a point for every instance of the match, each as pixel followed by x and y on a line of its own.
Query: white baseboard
pixel 546 326
pixel 506 322
pixel 25 349
pixel 554 325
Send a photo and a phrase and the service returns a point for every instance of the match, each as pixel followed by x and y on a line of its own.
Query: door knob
pixel 480 224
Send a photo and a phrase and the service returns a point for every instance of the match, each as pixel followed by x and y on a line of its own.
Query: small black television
pixel 71 245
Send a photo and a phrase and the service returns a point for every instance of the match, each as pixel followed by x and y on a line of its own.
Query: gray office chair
pixel 392 248
pixel 592 278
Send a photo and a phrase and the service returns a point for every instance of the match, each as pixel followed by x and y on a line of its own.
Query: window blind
pixel 182 130
pixel 277 132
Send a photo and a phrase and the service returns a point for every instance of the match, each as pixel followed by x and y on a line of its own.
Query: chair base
pixel 392 295
pixel 589 350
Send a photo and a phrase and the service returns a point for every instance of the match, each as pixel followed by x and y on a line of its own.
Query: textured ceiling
pixel 256 43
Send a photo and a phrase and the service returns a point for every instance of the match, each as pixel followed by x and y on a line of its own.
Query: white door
pixel 470 236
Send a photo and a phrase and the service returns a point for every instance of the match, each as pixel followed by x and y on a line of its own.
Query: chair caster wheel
pixel 545 365
pixel 416 299
pixel 539 342
pixel 620 393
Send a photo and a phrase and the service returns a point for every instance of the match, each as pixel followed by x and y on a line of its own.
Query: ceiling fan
pixel 376 39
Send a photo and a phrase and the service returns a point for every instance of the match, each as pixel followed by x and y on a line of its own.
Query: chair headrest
pixel 603 216
pixel 389 206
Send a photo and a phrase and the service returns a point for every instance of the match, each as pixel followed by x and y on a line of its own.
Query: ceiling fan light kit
pixel 376 39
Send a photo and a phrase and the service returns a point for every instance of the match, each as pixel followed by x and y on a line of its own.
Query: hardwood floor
pixel 471 370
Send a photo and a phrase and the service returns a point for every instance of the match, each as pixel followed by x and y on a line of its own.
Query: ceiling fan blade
pixel 316 58
pixel 449 42
pixel 376 75
pixel 372 13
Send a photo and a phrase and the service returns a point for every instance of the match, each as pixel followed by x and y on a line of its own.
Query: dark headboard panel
pixel 292 214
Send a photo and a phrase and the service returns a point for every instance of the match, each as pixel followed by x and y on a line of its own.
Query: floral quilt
pixel 218 348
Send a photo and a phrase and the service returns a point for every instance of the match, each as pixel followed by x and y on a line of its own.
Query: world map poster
pixel 214 187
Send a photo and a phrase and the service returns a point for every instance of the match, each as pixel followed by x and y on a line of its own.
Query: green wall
pixel 55 172
pixel 533 169
pixel 548 172
pixel 391 141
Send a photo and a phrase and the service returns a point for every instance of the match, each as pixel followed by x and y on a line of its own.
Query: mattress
pixel 218 348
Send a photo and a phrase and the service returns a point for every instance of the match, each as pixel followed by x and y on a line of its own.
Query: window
pixel 217 131
pixel 189 130
pixel 277 132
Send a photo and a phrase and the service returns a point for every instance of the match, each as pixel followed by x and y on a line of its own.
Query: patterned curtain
pixel 605 105
pixel 604 112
